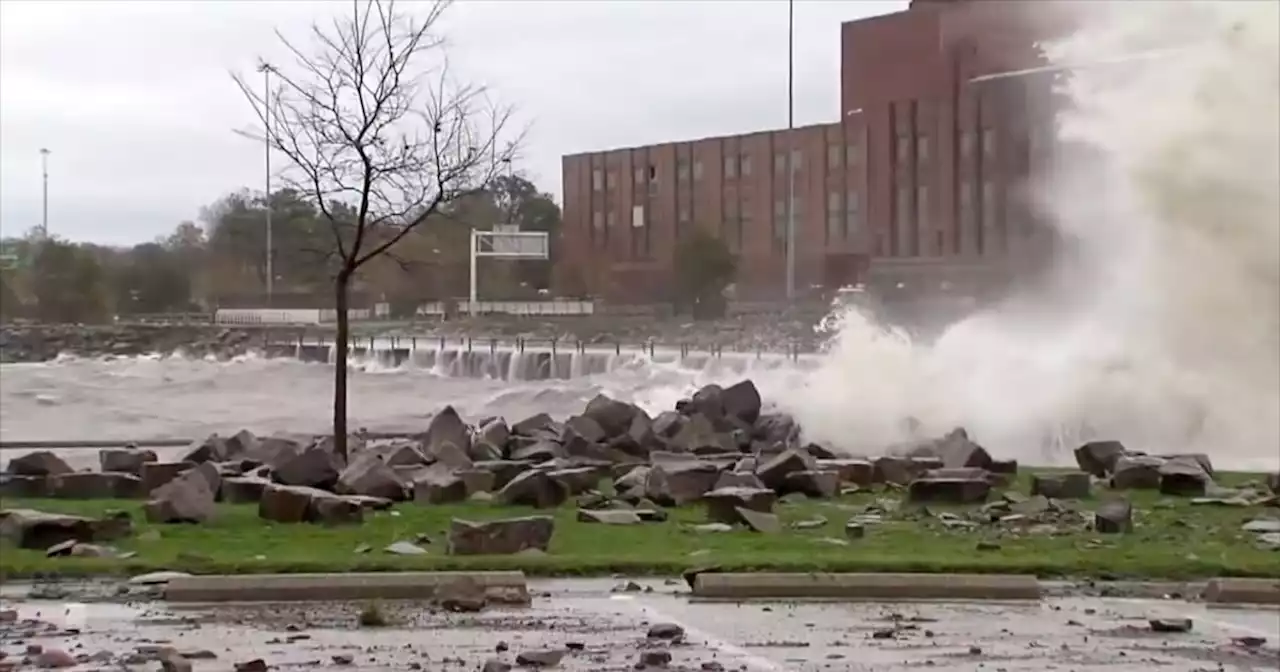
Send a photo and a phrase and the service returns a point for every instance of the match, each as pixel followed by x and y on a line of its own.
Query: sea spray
pixel 1164 329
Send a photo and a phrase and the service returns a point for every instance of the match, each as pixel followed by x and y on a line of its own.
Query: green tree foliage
pixel 704 268
pixel 69 284
pixel 151 279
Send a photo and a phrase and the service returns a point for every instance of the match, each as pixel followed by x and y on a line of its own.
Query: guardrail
pixel 793 349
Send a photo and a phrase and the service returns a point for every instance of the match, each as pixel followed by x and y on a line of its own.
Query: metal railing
pixel 651 348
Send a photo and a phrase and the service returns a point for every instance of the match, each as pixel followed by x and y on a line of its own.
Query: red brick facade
pixel 923 169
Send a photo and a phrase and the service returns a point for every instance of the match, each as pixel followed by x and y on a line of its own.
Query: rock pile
pixel 43 342
pixel 718 448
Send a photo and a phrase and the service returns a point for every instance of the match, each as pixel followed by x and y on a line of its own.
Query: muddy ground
pixel 600 630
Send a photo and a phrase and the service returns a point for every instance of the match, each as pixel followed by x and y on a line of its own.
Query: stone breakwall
pixel 720 448
pixel 43 342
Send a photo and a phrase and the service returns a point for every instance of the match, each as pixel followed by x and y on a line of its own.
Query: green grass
pixel 1172 540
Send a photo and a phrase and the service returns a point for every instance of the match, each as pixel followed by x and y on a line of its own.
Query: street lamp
pixel 791 151
pixel 44 173
pixel 266 69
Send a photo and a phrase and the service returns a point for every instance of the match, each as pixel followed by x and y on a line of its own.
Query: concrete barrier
pixel 501 586
pixel 867 586
pixel 1243 591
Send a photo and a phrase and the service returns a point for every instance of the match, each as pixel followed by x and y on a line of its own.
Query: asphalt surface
pixel 601 631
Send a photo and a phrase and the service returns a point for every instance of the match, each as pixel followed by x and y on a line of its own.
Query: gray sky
pixel 136 104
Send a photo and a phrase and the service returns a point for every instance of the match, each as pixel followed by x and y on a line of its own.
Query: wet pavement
pixel 599 630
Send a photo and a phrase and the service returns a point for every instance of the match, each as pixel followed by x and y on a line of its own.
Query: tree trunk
pixel 342 287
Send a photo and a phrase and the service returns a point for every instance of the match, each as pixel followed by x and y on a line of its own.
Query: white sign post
pixel 504 242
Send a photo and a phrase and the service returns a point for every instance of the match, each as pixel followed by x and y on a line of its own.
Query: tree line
pixel 220 260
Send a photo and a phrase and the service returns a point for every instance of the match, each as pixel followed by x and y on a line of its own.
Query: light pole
pixel 265 68
pixel 44 196
pixel 791 150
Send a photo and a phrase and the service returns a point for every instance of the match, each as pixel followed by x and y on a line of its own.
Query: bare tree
pixel 379 135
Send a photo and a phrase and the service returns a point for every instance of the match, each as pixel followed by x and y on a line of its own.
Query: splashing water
pixel 1168 337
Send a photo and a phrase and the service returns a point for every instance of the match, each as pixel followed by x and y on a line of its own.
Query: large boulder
pixel 369 475
pixel 960 489
pixel 1185 477
pixel 95 485
pixel 28 528
pixel 38 463
pixel 742 401
pixel 1098 458
pixel 1136 472
pixel 156 474
pixel 447 428
pixel 125 460
pixel 188 498
pixel 500 537
pixel 315 467
pixel 724 505
pixel 774 471
pixel 613 416
pixel 439 485
pixel 533 488
pixel 676 483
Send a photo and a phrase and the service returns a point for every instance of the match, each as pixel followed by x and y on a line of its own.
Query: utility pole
pixel 44 173
pixel 265 68
pixel 791 151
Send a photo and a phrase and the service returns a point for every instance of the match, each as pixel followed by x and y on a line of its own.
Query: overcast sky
pixel 135 102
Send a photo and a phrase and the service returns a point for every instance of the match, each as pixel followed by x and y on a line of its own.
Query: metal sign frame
pixel 505 242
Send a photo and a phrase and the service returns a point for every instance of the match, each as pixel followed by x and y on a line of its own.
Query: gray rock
pixel 1136 472
pixel 38 463
pixel 405 548
pixel 680 483
pixel 960 490
pixel 1184 477
pixel 125 460
pixel 766 523
pixel 1098 458
pixel 1114 516
pixel 446 427
pixel 188 498
pixel 742 401
pixel 1075 485
pixel 774 472
pixel 500 537
pixel 439 485
pixel 533 488
pixel 724 504
pixel 315 467
pixel 368 475
pixel 609 516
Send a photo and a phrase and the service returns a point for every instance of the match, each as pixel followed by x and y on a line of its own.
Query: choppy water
pixel 1164 330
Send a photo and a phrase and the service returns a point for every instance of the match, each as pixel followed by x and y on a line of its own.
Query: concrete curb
pixel 500 586
pixel 1243 591
pixel 868 586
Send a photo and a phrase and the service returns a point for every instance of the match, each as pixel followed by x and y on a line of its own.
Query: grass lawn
pixel 1172 539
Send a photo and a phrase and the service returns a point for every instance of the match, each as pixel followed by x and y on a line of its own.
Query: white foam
pixel 1164 330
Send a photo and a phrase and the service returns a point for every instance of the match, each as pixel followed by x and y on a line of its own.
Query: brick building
pixel 921 179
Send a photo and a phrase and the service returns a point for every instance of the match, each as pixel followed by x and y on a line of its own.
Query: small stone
pixel 255 665
pixel 405 548
pixel 653 659
pixel 343 659
pixel 988 546
pixel 854 530
pixel 495 665
pixel 666 631
pixel 540 658
pixel 883 633
pixel 975 651
pixel 1170 625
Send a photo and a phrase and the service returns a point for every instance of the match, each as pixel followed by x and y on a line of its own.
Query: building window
pixel 968 218
pixel 922 149
pixel 834 154
pixel 966 145
pixel 797 159
pixel 902 223
pixel 780 225
pixel 902 150
pixel 851 154
pixel 835 218
pixel 922 207
pixel 597 179
pixel 611 180
pixel 989 143
pixel 697 170
pixel 682 170
pixel 990 219
pixel 852 206
pixel 610 219
pixel 638 175
pixel 779 163
pixel 744 165
pixel 730 167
